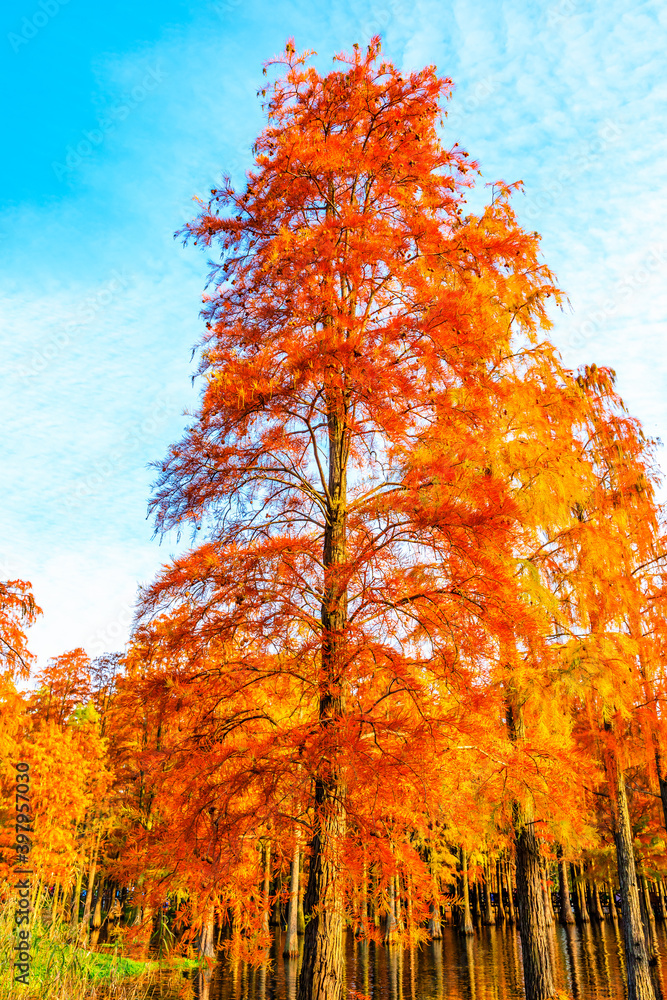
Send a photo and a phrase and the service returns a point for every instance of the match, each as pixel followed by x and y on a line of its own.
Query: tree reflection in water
pixel 588 965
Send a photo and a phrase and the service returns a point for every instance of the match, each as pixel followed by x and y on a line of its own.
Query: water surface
pixel 588 964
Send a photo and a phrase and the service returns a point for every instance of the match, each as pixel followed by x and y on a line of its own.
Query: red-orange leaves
pixel 363 336
pixel 17 612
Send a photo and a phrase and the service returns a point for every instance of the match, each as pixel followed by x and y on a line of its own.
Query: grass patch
pixel 62 971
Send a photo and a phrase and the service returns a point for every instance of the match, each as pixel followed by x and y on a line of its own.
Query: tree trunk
pixel 650 915
pixel 499 883
pixel 114 913
pixel 475 908
pixel 97 912
pixel 595 908
pixel 399 905
pixel 76 900
pixel 207 934
pixel 410 911
pixel 613 909
pixel 322 972
pixel 638 972
pixel 391 928
pixel 300 918
pixel 266 893
pixel 510 894
pixel 537 973
pixel 291 949
pixel 96 921
pixel 85 923
pixel 276 918
pixel 489 916
pixel 662 784
pixel 566 914
pixel 85 920
pixel 649 919
pixel 579 895
pixel 538 977
pixel 654 726
pixel 434 923
pixel 466 923
pixel 662 909
pixel 363 902
pixel 546 893
pixel 375 915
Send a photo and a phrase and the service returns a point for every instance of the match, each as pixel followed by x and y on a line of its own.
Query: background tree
pixel 18 612
pixel 63 684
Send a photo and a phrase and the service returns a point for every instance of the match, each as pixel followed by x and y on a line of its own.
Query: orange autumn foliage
pixel 364 336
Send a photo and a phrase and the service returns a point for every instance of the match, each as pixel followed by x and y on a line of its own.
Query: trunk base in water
pixel 566 914
pixel 640 986
pixel 538 979
pixel 323 968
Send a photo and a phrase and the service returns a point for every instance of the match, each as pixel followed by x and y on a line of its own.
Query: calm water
pixel 588 963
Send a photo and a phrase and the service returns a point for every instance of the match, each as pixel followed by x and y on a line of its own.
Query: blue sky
pixel 120 113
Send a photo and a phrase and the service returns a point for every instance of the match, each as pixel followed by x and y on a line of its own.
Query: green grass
pixel 104 965
pixel 63 971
